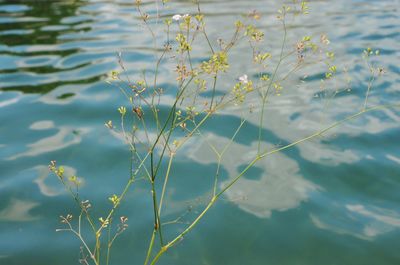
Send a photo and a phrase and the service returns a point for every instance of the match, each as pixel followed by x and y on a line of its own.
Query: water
pixel 333 200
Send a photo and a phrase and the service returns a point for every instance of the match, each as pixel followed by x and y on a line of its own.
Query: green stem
pixel 157 223
pixel 165 183
pixel 371 81
pixel 153 236
pixel 213 91
pixel 265 96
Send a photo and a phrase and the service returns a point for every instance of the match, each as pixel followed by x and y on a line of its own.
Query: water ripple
pixel 336 192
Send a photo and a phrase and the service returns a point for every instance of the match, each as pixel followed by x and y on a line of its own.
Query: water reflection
pixel 30 47
pixel 19 211
pixel 48 189
pixel 66 136
pixel 279 185
pixel 8 99
pixel 14 8
pixel 55 55
pixel 393 158
pixel 362 221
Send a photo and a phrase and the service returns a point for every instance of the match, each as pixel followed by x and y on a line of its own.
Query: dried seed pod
pixel 138 112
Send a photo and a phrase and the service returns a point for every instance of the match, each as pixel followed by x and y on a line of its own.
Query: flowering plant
pixel 154 137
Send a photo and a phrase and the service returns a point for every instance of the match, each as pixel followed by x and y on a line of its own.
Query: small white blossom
pixel 243 79
pixel 176 17
pixel 185 16
pixel 324 39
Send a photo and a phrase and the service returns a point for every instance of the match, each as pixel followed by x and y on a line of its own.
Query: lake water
pixel 332 200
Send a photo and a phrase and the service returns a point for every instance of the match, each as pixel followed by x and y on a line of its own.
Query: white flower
pixel 324 39
pixel 186 15
pixel 176 17
pixel 243 79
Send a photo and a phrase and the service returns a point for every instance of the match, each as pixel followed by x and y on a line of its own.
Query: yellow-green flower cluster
pixel 331 71
pixel 104 223
pixel 218 62
pixel 114 199
pixel 183 44
pixel 241 88
pixel 304 7
pixel 254 33
pixel 201 84
pixel 122 110
pixel 58 171
pixel 278 88
pixel 74 180
pixel 368 52
pixel 261 57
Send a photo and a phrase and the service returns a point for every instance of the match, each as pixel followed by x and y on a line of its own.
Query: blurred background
pixel 333 200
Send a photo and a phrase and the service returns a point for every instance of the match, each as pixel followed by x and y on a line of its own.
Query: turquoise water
pixel 333 200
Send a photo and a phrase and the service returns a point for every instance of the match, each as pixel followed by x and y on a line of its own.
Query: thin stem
pixel 204 29
pixel 181 235
pixel 165 182
pixel 213 91
pixel 371 81
pixel 109 243
pixel 157 223
pixel 265 96
pixel 153 236
pixel 220 156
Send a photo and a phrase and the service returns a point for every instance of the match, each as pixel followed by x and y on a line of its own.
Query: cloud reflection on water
pixel 362 221
pixel 47 189
pixel 19 211
pixel 280 186
pixel 63 138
